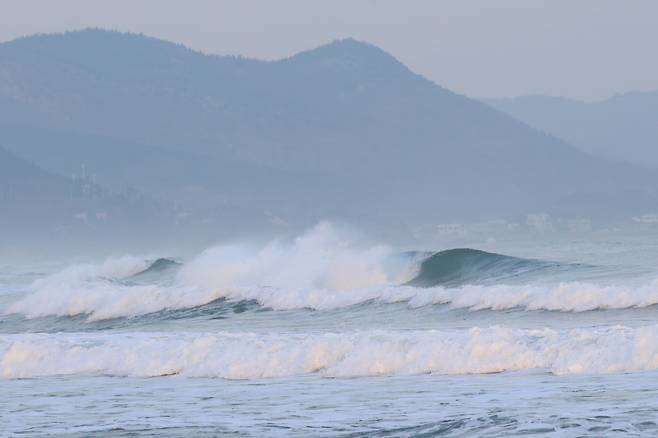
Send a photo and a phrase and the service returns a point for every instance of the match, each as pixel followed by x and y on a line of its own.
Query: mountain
pixel 624 127
pixel 37 206
pixel 343 131
pixel 19 179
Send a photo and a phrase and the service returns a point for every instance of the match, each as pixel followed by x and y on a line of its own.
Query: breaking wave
pixel 106 299
pixel 363 353
pixel 324 269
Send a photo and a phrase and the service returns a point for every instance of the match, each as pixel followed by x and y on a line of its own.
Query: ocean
pixel 326 334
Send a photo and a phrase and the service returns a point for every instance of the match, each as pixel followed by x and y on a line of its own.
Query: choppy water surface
pixel 323 336
pixel 493 405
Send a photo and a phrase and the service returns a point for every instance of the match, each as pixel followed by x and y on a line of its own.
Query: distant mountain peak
pixel 91 35
pixel 348 52
pixel 99 39
pixel 352 45
pixel 95 44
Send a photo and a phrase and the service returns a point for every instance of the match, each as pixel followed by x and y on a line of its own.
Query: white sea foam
pixel 90 289
pixel 104 300
pixel 565 297
pixel 365 353
pixel 322 258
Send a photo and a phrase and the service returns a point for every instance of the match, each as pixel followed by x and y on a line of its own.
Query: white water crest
pixel 103 300
pixel 323 269
pixel 323 258
pixel 318 263
pixel 362 353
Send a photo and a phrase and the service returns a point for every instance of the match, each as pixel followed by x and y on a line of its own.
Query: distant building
pixel 647 218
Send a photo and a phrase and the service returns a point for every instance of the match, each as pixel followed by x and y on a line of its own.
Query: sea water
pixel 324 335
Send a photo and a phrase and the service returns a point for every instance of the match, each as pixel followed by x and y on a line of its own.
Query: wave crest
pixel 456 267
pixel 323 269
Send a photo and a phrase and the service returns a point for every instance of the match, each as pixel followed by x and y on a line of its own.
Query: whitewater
pixel 330 334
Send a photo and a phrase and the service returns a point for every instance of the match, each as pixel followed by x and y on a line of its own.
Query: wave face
pixel 456 267
pixel 158 267
pixel 352 354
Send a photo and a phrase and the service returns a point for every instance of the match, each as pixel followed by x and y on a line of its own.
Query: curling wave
pixel 456 267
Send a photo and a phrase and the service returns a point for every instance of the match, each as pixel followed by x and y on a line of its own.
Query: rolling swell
pixel 461 266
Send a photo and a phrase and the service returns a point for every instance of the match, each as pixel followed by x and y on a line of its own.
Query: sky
pixel 582 49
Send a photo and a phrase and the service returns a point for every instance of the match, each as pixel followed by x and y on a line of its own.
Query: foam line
pixel 364 353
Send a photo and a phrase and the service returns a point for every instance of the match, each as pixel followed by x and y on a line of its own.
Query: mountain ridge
pixel 344 130
pixel 622 127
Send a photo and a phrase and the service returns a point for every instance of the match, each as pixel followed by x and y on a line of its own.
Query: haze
pixel 328 218
pixel 587 50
